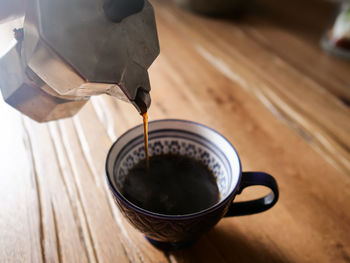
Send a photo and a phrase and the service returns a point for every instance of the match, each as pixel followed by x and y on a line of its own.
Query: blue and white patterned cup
pixel 202 143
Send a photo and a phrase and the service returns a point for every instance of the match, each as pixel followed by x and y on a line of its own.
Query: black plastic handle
pixel 258 205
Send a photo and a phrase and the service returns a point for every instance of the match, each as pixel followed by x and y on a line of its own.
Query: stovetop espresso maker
pixel 69 50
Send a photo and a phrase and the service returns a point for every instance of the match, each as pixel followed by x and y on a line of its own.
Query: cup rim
pixel 208 210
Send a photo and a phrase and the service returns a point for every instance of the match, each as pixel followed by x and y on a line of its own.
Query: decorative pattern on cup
pixel 172 230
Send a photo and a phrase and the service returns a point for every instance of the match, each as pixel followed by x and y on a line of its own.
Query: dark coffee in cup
pixel 173 185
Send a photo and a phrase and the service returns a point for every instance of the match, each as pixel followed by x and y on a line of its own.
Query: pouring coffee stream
pixel 145 131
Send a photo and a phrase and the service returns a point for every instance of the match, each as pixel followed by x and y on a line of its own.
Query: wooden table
pixel 262 81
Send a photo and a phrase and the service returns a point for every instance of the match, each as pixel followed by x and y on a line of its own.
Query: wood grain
pixel 262 81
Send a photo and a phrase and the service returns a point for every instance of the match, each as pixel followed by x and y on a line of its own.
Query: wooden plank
pixel 57 229
pixel 330 72
pixel 103 232
pixel 305 106
pixel 19 217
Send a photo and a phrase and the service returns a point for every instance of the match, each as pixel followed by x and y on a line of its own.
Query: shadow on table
pixel 223 246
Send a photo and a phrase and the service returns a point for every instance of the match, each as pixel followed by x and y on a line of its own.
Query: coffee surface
pixel 173 185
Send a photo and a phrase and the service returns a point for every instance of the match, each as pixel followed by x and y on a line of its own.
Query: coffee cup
pixel 202 143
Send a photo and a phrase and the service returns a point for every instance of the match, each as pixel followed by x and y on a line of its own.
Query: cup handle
pixel 257 205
